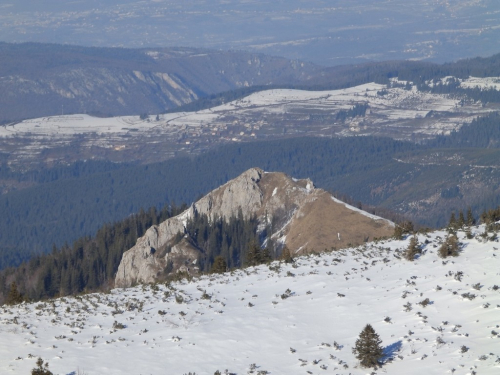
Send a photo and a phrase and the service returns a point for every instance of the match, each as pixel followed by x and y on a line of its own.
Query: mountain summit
pixel 301 217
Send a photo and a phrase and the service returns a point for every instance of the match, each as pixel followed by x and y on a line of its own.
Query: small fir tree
pixel 367 348
pixel 452 224
pixel 402 229
pixel 41 369
pixel 14 296
pixel 254 254
pixel 265 255
pixel 449 247
pixel 219 265
pixel 286 256
pixel 413 249
pixel 470 218
pixel 461 219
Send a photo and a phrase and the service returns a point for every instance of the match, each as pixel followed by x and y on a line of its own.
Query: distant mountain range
pixel 49 79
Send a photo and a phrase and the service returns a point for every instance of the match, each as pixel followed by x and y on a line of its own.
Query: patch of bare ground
pixel 322 223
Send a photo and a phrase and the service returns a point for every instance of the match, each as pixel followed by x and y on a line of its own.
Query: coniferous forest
pixel 69 202
pixel 89 264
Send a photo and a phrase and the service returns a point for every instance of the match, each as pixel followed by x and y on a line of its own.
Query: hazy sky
pixel 325 32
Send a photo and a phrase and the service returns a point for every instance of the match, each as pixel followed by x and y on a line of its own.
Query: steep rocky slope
pixel 304 218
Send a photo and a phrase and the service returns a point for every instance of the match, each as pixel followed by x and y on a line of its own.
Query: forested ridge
pixel 89 264
pixel 75 201
pixel 483 132
pixel 91 261
pixel 63 210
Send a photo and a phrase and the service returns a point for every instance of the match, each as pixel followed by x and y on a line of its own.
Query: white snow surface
pixel 482 82
pixel 284 318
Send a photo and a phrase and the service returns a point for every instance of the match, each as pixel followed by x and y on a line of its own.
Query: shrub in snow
pixel 117 325
pixel 476 286
pixel 425 302
pixel 367 348
pixel 41 369
pixel 458 276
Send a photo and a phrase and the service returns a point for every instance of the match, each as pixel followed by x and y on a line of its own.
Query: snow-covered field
pixel 396 104
pixel 482 83
pixel 279 319
pixel 270 114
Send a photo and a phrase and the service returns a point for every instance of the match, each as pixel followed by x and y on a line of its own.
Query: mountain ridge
pixel 57 79
pixel 293 213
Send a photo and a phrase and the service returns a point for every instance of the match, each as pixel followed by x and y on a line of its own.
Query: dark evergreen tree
pixel 452 224
pixel 402 228
pixel 219 266
pixel 413 249
pixel 265 255
pixel 41 369
pixel 449 247
pixel 470 218
pixel 253 254
pixel 367 348
pixel 286 256
pixel 461 219
pixel 14 296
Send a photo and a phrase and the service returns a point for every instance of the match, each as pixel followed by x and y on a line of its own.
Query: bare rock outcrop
pixel 304 218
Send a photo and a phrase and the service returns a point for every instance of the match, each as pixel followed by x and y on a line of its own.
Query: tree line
pixel 89 264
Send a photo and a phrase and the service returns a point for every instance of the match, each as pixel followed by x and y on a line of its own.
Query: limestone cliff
pixel 306 220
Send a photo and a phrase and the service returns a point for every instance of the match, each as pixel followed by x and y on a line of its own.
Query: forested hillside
pixel 61 211
pixel 70 202
pixel 89 264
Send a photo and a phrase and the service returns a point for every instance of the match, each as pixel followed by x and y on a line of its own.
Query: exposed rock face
pixel 305 219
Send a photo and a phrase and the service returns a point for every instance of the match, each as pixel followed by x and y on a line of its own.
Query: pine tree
pixel 461 219
pixel 453 221
pixel 219 265
pixel 14 296
pixel 265 255
pixel 367 348
pixel 449 247
pixel 470 218
pixel 413 249
pixel 253 254
pixel 41 369
pixel 286 256
pixel 402 228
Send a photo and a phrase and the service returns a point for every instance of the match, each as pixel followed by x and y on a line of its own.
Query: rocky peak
pixel 303 218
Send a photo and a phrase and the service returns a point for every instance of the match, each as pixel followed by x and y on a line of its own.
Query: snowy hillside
pixel 270 114
pixel 300 318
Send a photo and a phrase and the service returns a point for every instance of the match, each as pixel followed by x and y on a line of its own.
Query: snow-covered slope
pixel 270 114
pixel 283 319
